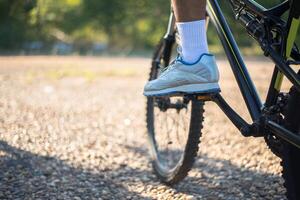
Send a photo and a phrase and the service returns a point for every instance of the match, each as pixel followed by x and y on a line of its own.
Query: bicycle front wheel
pixel 174 126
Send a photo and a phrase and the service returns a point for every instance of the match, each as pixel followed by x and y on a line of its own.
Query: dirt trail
pixel 74 128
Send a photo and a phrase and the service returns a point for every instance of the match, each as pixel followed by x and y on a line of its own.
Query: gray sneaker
pixel 184 78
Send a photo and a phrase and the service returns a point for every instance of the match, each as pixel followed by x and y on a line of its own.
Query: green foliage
pixel 123 25
pixel 14 19
pixel 130 22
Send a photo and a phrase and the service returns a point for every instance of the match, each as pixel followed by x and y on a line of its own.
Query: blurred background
pixel 73 127
pixel 88 27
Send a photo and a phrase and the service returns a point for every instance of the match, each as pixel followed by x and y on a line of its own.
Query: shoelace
pixel 172 64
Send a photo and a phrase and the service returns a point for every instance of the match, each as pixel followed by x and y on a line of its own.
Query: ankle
pixel 193 40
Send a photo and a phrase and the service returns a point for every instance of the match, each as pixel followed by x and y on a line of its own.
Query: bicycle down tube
pixel 237 64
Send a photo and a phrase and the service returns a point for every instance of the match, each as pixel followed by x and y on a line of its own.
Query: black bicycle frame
pixel 263 123
pixel 279 56
pixel 237 64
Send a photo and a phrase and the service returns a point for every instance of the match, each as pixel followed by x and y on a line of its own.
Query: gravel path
pixel 74 128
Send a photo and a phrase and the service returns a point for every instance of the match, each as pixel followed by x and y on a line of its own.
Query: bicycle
pixel 275 120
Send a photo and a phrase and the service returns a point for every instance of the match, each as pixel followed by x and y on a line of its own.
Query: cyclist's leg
pixel 195 71
pixel 189 10
pixel 190 17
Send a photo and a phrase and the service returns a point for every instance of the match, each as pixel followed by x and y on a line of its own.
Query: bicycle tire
pixel 290 154
pixel 180 171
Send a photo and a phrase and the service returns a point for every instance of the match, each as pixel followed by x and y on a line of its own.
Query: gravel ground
pixel 74 128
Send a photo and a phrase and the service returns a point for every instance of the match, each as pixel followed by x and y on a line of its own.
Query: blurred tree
pixel 14 15
pixel 130 24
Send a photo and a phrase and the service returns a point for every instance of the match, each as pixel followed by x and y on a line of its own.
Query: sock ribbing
pixel 193 39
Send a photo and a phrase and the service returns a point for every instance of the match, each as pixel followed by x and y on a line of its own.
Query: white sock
pixel 193 39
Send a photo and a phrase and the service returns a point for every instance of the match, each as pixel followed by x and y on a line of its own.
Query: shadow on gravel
pixel 213 178
pixel 25 175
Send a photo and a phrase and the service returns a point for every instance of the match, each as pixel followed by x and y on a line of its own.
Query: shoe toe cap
pixel 149 86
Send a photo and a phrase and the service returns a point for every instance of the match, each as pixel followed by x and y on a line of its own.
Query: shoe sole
pixel 203 88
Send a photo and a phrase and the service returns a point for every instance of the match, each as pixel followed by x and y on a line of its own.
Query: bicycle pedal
pixel 204 97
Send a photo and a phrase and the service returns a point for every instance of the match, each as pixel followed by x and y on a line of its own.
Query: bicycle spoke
pixel 171 129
